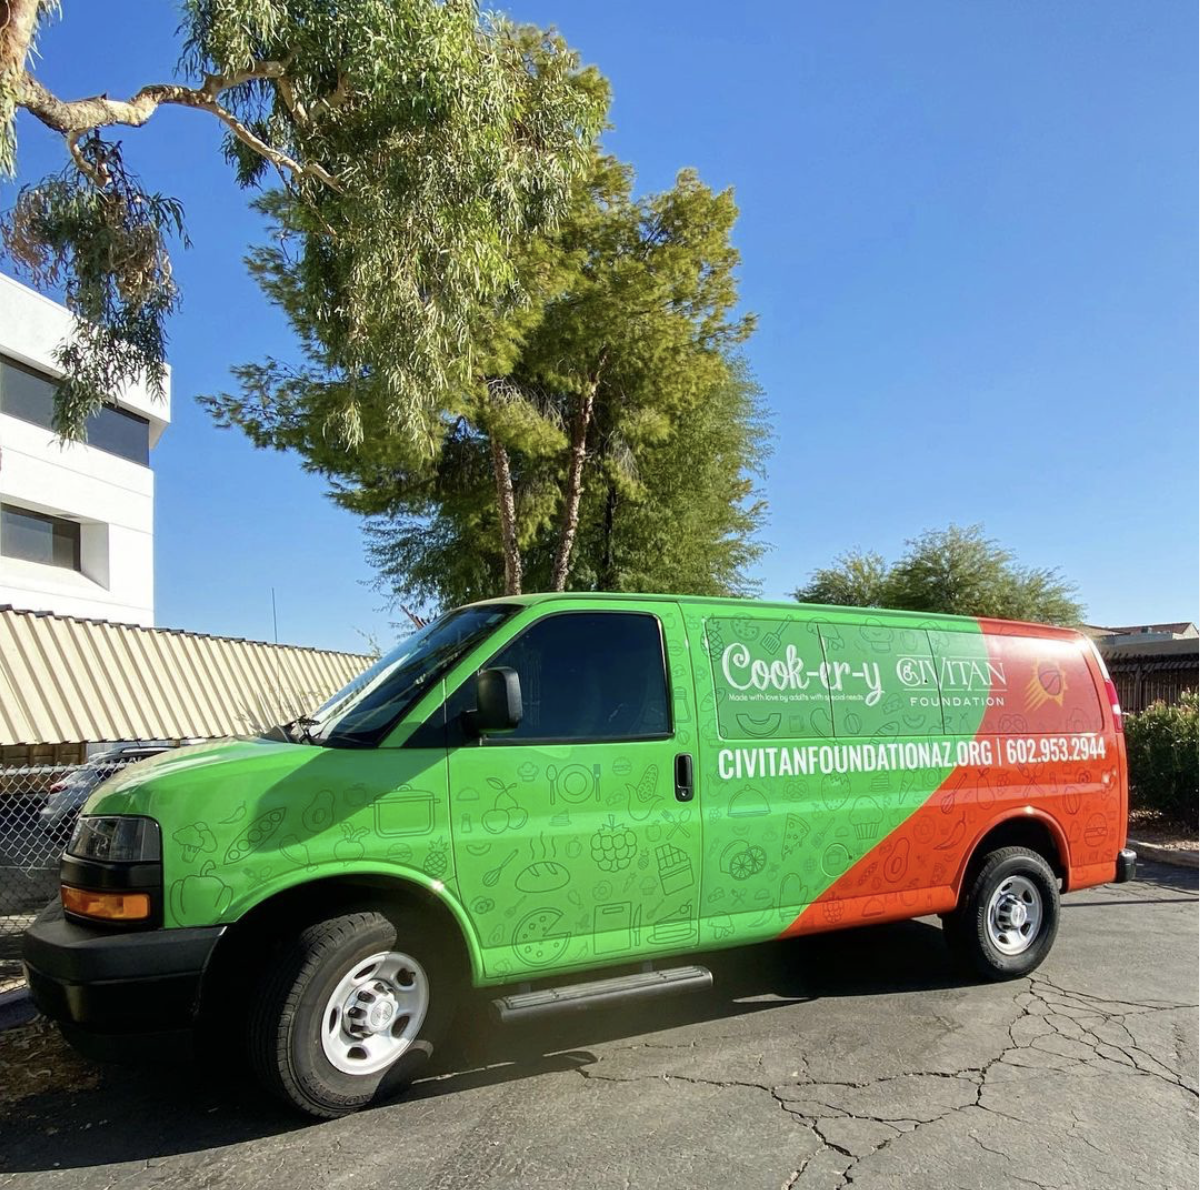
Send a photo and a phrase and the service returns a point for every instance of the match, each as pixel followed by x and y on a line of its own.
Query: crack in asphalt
pixel 1015 1177
pixel 1071 1018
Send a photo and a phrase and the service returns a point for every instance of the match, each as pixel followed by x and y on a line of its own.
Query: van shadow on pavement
pixel 144 1113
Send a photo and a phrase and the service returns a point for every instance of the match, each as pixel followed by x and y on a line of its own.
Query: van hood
pixel 196 769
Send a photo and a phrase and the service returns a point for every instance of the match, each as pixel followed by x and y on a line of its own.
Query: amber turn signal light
pixel 106 906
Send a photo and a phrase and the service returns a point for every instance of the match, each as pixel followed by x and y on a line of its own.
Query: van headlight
pixel 116 839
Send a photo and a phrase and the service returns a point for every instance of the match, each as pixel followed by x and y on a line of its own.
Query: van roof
pixel 782 605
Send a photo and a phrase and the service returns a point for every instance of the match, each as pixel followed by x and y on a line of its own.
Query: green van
pixel 530 790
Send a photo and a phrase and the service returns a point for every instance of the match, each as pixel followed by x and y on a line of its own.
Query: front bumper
pixel 1126 866
pixel 115 986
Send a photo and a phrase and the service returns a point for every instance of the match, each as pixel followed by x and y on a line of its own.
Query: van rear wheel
pixel 349 1011
pixel 1007 920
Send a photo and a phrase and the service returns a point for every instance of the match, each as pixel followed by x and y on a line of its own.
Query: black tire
pixel 969 933
pixel 285 1018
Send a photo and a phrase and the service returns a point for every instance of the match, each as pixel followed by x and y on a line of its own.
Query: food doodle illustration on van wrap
pixel 404 811
pixel 255 835
pixel 574 784
pixel 318 814
pixel 200 896
pixel 643 794
pixel 506 813
pixel 196 839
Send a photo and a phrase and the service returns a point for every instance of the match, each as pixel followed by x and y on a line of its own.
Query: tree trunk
pixel 608 564
pixel 574 489
pixel 507 505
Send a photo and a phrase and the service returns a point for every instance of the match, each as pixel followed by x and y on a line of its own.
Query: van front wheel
pixel 1007 920
pixel 351 1008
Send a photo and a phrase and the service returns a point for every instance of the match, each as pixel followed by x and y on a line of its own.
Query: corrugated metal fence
pixel 64 679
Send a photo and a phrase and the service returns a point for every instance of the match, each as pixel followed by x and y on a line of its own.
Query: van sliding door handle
pixel 685 788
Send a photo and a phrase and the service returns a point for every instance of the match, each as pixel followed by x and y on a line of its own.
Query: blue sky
pixel 968 231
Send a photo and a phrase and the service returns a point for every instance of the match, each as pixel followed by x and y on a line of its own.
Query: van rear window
pixel 1050 686
pixel 1033 685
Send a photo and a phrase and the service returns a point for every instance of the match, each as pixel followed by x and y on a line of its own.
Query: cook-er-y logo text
pixel 788 673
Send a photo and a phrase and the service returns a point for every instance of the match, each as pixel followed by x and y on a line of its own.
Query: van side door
pixel 573 845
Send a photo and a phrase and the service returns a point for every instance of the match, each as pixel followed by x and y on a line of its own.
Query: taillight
pixel 1113 701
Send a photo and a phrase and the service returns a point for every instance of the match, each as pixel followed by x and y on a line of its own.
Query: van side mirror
pixel 497 702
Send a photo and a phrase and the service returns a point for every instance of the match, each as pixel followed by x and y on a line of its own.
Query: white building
pixel 77 520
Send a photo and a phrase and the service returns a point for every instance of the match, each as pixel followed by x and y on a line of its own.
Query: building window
pixel 36 537
pixel 29 395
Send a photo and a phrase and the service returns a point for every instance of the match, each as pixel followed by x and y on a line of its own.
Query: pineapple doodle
pixel 437 861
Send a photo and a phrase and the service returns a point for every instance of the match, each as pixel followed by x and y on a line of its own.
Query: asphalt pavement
pixel 856 1058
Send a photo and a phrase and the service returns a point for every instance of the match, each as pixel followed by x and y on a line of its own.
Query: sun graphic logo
pixel 1048 684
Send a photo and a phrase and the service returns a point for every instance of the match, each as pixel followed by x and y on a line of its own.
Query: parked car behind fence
pixel 38 808
pixel 67 795
pixel 28 858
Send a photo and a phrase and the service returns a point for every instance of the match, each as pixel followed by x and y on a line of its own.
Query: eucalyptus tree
pixel 629 331
pixel 412 144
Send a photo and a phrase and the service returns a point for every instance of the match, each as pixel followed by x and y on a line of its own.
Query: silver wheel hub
pixel 1014 915
pixel 375 1013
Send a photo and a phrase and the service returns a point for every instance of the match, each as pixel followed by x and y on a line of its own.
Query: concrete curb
pixel 1165 855
pixel 16 1008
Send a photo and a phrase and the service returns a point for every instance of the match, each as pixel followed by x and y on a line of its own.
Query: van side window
pixel 767 679
pixel 971 676
pixel 585 677
pixel 882 680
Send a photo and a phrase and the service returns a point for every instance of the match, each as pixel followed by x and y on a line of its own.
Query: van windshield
pixel 359 715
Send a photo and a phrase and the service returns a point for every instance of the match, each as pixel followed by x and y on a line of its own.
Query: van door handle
pixel 685 787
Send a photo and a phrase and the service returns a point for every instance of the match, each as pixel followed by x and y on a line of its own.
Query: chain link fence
pixel 31 841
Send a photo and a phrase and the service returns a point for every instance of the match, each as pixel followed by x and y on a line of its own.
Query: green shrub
pixel 1164 757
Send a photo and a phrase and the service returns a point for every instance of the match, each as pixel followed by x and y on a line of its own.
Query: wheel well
pixel 1017 832
pixel 248 944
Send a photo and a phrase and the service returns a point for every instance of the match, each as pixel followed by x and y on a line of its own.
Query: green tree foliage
pixel 459 133
pixel 855 579
pixel 689 526
pixel 570 413
pixel 1163 744
pixel 956 571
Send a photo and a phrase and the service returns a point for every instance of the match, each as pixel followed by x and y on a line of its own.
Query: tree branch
pixel 75 117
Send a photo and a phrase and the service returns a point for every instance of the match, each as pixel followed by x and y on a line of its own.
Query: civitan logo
pixel 954 673
pixel 745 672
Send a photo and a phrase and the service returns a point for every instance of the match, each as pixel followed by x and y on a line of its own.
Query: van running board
pixel 643 985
